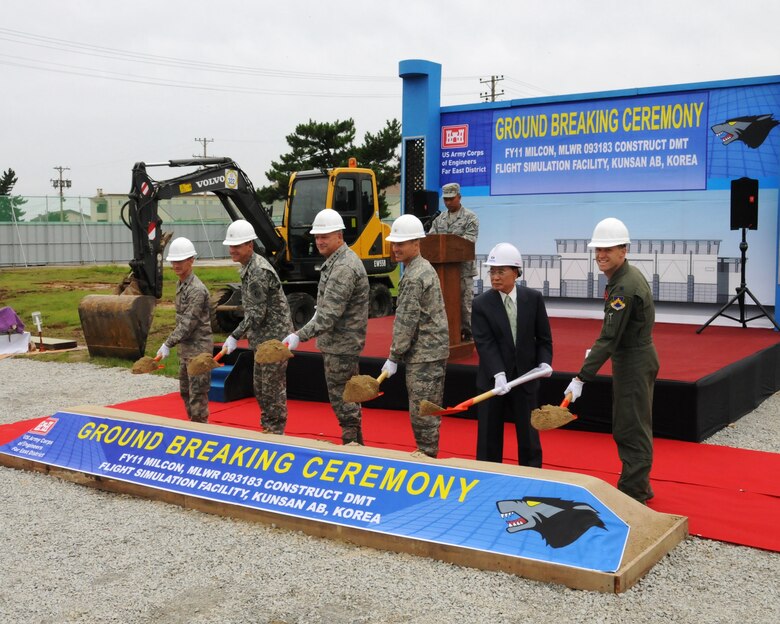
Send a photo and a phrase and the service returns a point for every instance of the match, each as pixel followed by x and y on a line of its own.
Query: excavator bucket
pixel 116 325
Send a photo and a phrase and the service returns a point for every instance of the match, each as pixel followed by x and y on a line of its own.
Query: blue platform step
pixel 233 381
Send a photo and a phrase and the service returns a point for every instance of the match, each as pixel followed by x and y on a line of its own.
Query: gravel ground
pixel 73 554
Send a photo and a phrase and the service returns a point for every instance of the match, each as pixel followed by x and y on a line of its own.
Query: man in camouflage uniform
pixel 266 317
pixel 341 319
pixel 192 333
pixel 626 337
pixel 420 335
pixel 461 221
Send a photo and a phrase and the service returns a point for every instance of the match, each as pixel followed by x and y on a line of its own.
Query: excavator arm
pixel 118 325
pixel 220 176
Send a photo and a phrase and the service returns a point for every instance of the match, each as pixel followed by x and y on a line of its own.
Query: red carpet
pixel 728 494
pixel 684 354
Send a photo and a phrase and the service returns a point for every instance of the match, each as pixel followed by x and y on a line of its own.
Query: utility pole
pixel 205 142
pixel 491 95
pixel 61 184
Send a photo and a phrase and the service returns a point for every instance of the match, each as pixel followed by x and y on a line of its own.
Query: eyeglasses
pixel 500 272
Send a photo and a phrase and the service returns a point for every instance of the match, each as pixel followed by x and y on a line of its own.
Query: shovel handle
pixel 382 377
pixel 566 400
pixel 157 358
pixel 219 355
pixel 477 399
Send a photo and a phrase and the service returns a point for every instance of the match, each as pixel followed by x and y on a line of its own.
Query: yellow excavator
pixel 118 325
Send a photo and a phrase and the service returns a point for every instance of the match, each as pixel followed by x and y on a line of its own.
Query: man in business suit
pixel 504 353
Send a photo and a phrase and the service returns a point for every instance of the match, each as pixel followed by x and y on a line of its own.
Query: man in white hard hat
pixel 341 320
pixel 512 335
pixel 192 333
pixel 626 337
pixel 461 221
pixel 266 317
pixel 420 334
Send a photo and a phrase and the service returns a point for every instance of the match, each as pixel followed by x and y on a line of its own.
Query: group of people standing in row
pixel 508 324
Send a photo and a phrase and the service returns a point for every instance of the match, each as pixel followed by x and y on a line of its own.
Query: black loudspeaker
pixel 744 204
pixel 424 204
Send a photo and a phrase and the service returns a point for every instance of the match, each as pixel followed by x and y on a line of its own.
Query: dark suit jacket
pixel 493 337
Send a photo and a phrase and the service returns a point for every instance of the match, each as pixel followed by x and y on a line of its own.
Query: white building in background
pixel 677 270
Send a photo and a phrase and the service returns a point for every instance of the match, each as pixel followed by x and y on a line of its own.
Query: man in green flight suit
pixel 626 337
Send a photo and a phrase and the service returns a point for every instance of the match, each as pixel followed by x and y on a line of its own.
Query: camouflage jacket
pixel 193 319
pixel 420 331
pixel 342 305
pixel 266 312
pixel 463 223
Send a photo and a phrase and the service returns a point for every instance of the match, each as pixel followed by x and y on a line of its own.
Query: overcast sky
pixel 96 85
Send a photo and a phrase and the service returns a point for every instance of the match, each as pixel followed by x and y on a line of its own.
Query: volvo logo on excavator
pixel 210 181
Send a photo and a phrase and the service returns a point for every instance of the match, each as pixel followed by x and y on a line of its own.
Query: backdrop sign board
pixel 516 516
pixel 541 172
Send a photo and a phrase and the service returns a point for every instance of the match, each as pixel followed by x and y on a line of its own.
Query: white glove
pixel 230 344
pixel 575 388
pixel 292 341
pixel 545 367
pixel 163 352
pixel 501 387
pixel 389 367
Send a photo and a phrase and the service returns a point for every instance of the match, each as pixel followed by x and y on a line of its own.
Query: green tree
pixel 10 206
pixel 316 145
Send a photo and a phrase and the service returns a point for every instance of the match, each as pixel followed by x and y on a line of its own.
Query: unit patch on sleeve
pixel 618 303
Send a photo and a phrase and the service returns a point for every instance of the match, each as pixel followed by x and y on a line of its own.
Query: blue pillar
pixel 420 118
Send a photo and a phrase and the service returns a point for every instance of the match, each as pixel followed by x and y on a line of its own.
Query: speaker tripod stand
pixel 739 297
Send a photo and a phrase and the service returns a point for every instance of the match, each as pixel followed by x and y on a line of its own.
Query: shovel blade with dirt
pixel 552 416
pixel 431 409
pixel 362 388
pixel 272 352
pixel 146 364
pixel 204 362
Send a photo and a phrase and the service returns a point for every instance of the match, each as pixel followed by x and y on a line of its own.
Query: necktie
pixel 511 313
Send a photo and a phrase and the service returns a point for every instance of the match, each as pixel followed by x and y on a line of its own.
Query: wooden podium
pixel 445 252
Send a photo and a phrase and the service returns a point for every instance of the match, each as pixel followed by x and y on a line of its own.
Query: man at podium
pixel 462 222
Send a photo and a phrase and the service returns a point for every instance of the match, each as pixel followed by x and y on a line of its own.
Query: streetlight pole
pixel 60 184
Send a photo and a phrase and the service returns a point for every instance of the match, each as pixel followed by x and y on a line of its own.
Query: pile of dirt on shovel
pixel 271 352
pixel 550 417
pixel 427 408
pixel 361 388
pixel 201 363
pixel 144 365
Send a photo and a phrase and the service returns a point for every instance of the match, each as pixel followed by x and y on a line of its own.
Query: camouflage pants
pixel 425 381
pixel 338 370
pixel 467 296
pixel 270 386
pixel 195 393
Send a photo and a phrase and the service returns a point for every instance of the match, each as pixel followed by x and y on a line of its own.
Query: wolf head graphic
pixel 752 130
pixel 559 522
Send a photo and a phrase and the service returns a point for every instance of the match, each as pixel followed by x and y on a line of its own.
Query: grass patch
pixel 55 292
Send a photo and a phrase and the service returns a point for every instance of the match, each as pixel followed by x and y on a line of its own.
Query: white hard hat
pixel 239 232
pixel 327 221
pixel 405 228
pixel 181 249
pixel 504 254
pixel 609 232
